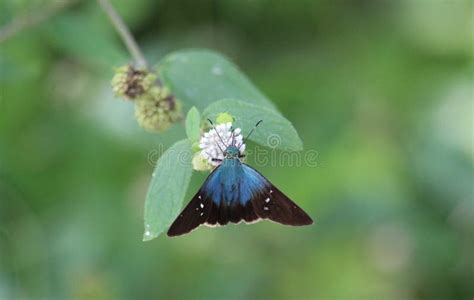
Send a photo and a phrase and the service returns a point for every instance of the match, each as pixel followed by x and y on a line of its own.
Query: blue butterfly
pixel 235 192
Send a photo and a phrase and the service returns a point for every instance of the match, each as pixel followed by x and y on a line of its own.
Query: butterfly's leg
pixel 217 159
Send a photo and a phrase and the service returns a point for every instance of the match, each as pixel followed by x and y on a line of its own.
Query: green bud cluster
pixel 156 109
pixel 131 83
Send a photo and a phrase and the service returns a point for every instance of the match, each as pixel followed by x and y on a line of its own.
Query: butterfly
pixel 235 192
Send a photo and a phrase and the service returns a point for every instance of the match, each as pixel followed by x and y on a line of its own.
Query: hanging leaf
pixel 275 131
pixel 201 77
pixel 167 189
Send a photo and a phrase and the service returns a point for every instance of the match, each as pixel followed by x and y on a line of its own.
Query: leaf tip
pixel 148 236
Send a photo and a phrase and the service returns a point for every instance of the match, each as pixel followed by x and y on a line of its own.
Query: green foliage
pixel 201 77
pixel 193 121
pixel 167 189
pixel 383 93
pixel 275 131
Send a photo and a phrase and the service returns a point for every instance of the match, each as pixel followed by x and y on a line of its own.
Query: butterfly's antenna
pixel 214 127
pixel 233 136
pixel 251 131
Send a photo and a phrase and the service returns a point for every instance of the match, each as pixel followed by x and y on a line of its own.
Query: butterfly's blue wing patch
pixel 235 192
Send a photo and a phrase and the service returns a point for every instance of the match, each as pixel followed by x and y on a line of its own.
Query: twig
pixel 124 33
pixel 29 20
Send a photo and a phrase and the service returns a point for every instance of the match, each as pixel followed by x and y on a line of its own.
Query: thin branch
pixel 124 33
pixel 30 20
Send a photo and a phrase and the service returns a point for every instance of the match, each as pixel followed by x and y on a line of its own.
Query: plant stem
pixel 124 33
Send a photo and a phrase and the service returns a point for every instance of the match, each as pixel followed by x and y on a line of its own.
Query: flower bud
pixel 224 118
pixel 131 83
pixel 157 110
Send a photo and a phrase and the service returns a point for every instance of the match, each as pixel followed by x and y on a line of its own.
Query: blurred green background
pixel 383 90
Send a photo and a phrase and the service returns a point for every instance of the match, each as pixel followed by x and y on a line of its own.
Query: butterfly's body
pixel 235 192
pixel 232 183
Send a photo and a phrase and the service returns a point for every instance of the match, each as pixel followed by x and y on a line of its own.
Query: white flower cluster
pixel 213 144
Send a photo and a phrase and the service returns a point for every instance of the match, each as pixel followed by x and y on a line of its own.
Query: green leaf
pixel 193 120
pixel 274 132
pixel 167 189
pixel 201 77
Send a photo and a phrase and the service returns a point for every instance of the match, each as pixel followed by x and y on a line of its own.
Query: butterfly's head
pixel 232 152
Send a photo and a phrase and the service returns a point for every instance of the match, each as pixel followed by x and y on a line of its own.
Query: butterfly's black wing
pixel 269 202
pixel 274 205
pixel 194 214
pixel 198 209
pixel 235 192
